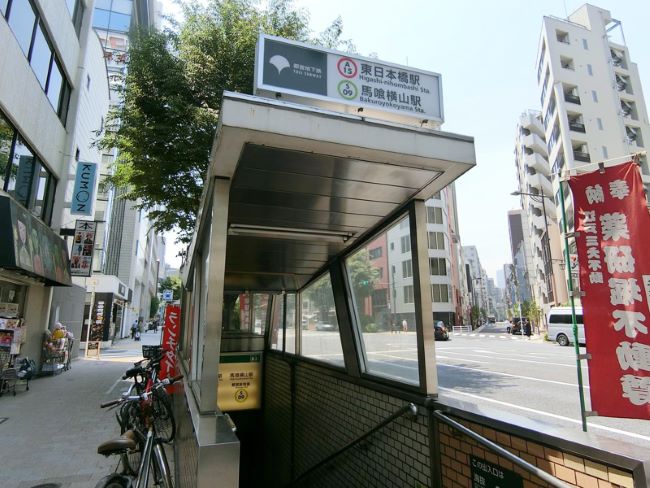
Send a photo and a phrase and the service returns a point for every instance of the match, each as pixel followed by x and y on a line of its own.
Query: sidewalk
pixel 50 433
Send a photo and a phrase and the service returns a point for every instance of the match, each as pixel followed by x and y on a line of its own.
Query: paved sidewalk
pixel 50 433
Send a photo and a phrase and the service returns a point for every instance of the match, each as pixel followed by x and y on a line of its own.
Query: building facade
pixel 522 262
pixel 51 107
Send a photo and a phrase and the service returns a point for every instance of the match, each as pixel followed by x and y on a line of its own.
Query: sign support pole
pixel 573 310
pixel 90 318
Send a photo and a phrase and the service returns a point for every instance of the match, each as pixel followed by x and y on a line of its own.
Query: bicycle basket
pixel 149 352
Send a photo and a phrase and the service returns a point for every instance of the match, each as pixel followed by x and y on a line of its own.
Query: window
pixel 407 269
pixel 3 7
pixel 76 9
pixel 375 253
pixel 590 71
pixel 87 82
pixel 381 306
pixel 137 246
pixel 440 293
pixel 562 36
pixel 405 242
pixel 112 20
pixel 21 20
pixel 567 63
pixel 434 215
pixel 605 153
pixel 41 56
pixel 408 294
pixel 438 266
pixel 278 323
pixel 35 43
pixel 6 142
pixel 599 121
pixel 594 95
pixel 21 173
pixel 436 240
pixel 585 44
pixel 320 330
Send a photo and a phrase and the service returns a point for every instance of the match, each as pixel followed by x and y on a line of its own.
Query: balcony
pixel 581 156
pixel 536 143
pixel 570 97
pixel 538 163
pixel 577 127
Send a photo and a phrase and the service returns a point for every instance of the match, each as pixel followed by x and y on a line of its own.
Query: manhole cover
pixel 48 485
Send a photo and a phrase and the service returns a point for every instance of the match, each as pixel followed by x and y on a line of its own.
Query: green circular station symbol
pixel 347 89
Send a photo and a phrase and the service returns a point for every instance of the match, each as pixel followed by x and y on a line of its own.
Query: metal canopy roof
pixel 306 183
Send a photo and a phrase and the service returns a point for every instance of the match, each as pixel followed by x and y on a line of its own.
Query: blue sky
pixel 485 52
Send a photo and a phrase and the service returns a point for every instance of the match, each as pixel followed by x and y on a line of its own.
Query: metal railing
pixel 410 409
pixel 543 475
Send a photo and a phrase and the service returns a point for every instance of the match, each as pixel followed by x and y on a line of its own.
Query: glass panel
pixel 277 329
pixel 22 173
pixel 122 6
pixel 3 7
pixel 290 345
pixel 260 313
pixel 21 20
pixel 320 334
pixel 119 22
pixel 41 56
pixel 40 192
pixel 383 308
pixel 6 139
pixel 64 102
pixel 101 18
pixel 105 4
pixel 54 86
pixel 71 4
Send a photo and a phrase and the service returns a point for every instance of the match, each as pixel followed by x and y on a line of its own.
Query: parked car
pixel 440 331
pixel 325 327
pixel 560 325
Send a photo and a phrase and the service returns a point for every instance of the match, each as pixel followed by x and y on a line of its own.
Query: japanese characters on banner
pixel 612 226
pixel 81 256
pixel 171 331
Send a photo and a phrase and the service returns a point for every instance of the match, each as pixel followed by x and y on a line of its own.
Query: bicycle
pixel 149 445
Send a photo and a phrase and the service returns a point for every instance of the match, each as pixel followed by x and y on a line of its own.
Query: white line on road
pixel 511 375
pixel 540 412
pixel 514 359
pixel 117 382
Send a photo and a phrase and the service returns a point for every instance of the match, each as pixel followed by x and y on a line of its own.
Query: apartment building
pixel 536 198
pixel 592 102
pixel 476 279
pixel 522 260
pixel 53 96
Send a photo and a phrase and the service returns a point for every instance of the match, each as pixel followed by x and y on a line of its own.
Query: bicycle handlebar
pixel 112 403
pixel 143 396
pixel 133 372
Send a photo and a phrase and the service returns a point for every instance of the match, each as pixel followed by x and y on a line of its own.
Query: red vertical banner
pixel 612 229
pixel 171 331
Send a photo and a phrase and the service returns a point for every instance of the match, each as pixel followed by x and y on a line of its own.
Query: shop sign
pixel 171 331
pixel 489 475
pixel 240 382
pixel 93 348
pixel 612 223
pixel 167 295
pixel 6 340
pixel 81 257
pixel 30 246
pixel 83 194
pixel 340 79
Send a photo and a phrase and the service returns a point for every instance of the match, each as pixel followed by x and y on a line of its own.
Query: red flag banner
pixel 171 331
pixel 612 229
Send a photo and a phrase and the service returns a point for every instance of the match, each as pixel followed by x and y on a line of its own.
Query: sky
pixel 485 52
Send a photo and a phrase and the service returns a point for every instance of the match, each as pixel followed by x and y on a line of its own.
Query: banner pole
pixel 573 310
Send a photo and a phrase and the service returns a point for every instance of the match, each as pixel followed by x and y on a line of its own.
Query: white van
pixel 560 325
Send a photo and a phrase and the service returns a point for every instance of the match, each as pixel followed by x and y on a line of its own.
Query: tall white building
pixel 592 102
pixel 536 193
pixel 521 255
pixel 476 279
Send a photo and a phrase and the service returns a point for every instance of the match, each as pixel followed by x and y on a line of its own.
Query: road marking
pixel 117 382
pixel 547 414
pixel 518 360
pixel 458 359
pixel 512 375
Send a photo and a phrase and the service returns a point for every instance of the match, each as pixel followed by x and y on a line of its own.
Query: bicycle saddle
pixel 122 443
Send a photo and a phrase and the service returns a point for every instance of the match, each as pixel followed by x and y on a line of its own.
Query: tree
pixel 153 308
pixel 475 314
pixel 172 96
pixel 172 283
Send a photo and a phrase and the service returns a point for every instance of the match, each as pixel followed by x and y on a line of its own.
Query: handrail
pixel 410 408
pixel 550 479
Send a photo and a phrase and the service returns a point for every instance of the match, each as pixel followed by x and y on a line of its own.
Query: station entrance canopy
pixel 289 187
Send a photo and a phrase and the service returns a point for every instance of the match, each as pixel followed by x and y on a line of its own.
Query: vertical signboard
pixel 81 257
pixel 612 223
pixel 337 78
pixel 240 377
pixel 171 331
pixel 84 189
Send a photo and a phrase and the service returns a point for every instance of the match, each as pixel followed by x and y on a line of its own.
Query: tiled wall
pixel 186 448
pixel 576 470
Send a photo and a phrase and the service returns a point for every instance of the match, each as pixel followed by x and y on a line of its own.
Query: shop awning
pixel 29 247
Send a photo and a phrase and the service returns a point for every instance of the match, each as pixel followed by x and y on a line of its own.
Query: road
pixel 531 378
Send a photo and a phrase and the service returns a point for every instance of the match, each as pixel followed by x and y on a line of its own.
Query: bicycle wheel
pixel 163 417
pixel 129 418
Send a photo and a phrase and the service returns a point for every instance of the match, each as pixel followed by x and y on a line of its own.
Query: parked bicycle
pixel 143 438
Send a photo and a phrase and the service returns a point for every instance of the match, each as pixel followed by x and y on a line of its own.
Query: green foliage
pixel 174 86
pixel 474 314
pixel 172 283
pixel 370 327
pixel 153 307
pixel 363 275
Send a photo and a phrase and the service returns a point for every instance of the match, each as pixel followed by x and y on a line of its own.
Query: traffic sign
pixel 168 295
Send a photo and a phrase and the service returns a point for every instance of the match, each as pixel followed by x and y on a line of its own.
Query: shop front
pixel 33 260
pixel 104 309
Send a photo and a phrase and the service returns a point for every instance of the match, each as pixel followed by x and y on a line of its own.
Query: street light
pixel 539 198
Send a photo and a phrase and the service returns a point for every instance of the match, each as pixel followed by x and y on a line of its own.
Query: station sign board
pixel 335 80
pixel 240 381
